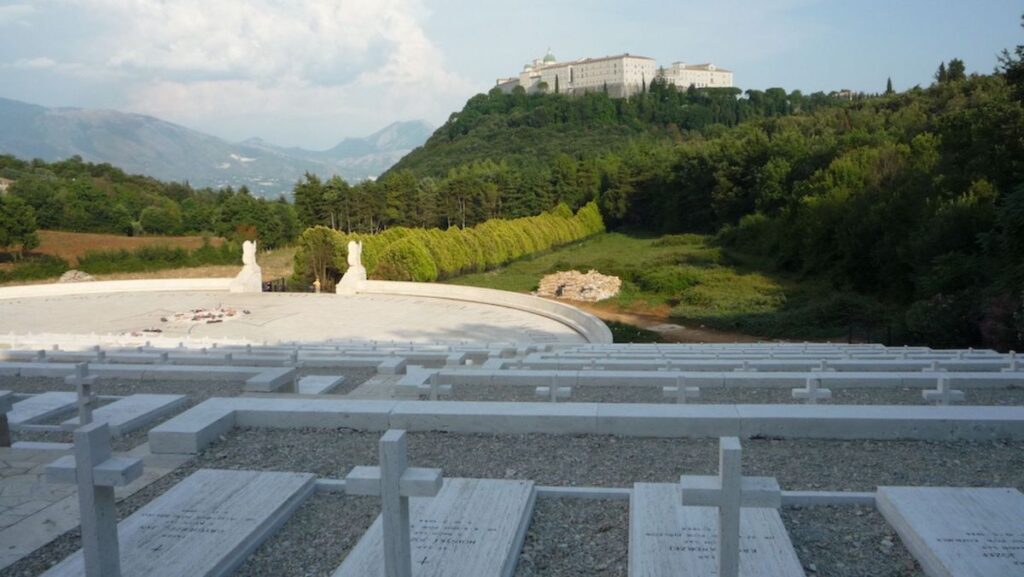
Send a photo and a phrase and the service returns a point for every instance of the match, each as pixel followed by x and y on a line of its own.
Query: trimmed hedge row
pixel 425 255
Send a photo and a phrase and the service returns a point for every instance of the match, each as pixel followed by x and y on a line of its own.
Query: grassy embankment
pixel 685 279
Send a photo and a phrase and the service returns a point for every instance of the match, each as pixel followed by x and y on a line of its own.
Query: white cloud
pixel 35 63
pixel 15 13
pixel 196 61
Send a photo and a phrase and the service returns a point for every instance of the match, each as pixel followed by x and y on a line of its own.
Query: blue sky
pixel 310 72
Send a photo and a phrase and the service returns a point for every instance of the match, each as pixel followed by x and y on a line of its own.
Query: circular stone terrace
pixel 275 317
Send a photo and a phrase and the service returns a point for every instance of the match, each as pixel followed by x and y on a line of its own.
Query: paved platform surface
pixel 284 316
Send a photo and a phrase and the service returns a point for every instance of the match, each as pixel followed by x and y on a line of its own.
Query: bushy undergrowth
pixel 144 259
pixel 152 258
pixel 35 268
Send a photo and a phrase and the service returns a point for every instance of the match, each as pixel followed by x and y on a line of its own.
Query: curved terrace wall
pixel 586 324
pixel 115 286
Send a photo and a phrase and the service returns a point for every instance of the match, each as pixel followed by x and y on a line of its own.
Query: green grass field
pixel 685 277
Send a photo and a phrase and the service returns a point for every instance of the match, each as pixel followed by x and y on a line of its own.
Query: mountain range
pixel 145 145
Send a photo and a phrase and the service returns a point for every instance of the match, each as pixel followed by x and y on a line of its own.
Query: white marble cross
pixel 394 481
pixel 553 392
pixel 730 491
pixel 823 367
pixel 437 389
pixel 812 391
pixel 83 383
pixel 1013 363
pixel 942 394
pixel 680 392
pixel 96 472
pixel 933 368
pixel 745 368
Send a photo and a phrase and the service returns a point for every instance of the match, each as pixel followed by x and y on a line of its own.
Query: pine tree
pixel 941 75
pixel 956 71
pixel 888 87
pixel 556 84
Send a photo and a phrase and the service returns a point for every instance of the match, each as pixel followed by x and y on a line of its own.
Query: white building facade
pixel 619 76
pixel 697 75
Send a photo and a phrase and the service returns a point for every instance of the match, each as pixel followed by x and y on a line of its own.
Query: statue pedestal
pixel 250 280
pixel 349 283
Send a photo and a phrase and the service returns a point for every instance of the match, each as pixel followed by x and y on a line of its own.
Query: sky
pixel 312 72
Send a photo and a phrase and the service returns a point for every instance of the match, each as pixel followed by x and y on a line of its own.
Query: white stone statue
pixel 356 272
pixel 355 254
pixel 249 253
pixel 250 280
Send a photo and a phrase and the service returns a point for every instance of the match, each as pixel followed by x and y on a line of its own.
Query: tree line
pixel 78 196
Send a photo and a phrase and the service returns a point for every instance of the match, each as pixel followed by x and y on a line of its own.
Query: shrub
pixel 671 280
pixel 35 268
pixel 432 253
pixel 153 258
pixel 407 260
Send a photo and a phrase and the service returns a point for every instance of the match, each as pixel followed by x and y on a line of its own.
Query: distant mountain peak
pixel 146 145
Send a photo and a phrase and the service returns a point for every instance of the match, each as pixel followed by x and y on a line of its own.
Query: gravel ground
pixel 197 391
pixel 847 542
pixel 1013 396
pixel 574 538
pixel 315 540
pixel 836 541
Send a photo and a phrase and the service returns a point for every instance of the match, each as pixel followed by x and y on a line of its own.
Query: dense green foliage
pixel 513 155
pixel 914 201
pixel 17 225
pixel 77 196
pixel 152 258
pixel 428 254
pixel 144 259
pixel 691 279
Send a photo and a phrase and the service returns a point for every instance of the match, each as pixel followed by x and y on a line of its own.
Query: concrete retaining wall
pixel 116 286
pixel 586 324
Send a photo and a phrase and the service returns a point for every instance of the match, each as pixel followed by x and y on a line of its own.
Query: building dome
pixel 549 57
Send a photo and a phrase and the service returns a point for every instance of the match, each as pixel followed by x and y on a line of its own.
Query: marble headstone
pixel 959 532
pixel 668 539
pixel 472 528
pixel 204 526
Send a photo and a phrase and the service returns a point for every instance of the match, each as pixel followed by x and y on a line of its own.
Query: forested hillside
pixel 77 196
pixel 513 155
pixel 915 199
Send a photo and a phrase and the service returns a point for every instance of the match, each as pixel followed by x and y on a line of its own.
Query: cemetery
pixel 403 430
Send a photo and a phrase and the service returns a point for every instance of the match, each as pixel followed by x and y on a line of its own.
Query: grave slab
pixel 959 532
pixel 472 528
pixel 667 539
pixel 41 406
pixel 204 526
pixel 130 413
pixel 319 384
